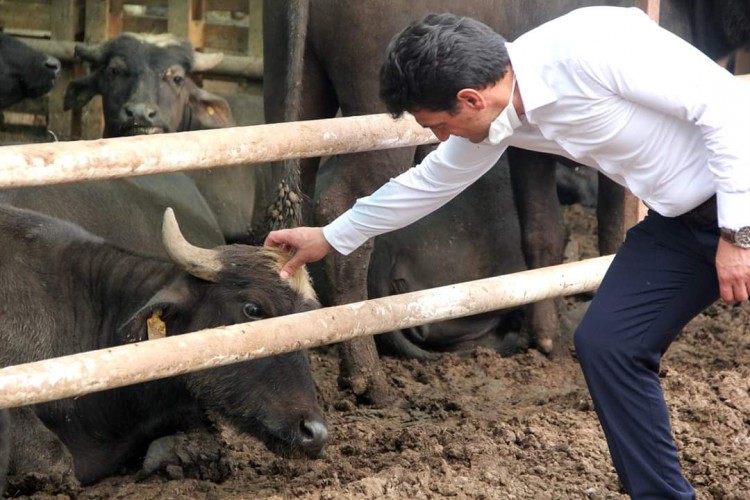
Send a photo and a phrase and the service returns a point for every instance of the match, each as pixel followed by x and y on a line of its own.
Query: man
pixel 608 88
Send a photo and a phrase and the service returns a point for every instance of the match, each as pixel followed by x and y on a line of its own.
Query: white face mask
pixel 505 123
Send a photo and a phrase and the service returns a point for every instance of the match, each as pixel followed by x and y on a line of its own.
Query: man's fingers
pixel 734 292
pixel 740 292
pixel 290 267
pixel 275 239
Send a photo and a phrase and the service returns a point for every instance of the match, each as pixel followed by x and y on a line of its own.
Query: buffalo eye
pixel 178 79
pixel 252 311
pixel 114 71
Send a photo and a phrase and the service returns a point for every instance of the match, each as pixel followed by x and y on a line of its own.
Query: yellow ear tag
pixel 210 110
pixel 157 329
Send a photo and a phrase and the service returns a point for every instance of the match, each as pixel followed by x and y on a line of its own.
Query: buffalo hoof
pixel 194 455
pixel 52 483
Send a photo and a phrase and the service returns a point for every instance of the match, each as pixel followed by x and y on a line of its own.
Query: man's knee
pixel 597 340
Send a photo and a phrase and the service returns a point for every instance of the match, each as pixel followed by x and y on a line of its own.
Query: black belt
pixel 704 214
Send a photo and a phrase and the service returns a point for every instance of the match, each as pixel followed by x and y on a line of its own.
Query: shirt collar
pixel 535 92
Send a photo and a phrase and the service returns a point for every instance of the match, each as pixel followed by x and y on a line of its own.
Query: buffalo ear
pixel 170 304
pixel 81 91
pixel 209 109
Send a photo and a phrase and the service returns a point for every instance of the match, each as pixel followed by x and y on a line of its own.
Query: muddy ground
pixel 483 426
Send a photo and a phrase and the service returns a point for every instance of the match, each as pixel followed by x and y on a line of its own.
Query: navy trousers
pixel 663 275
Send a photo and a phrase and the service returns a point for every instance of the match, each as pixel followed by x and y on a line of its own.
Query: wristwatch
pixel 740 237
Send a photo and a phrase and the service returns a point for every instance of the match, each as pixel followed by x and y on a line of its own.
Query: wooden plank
pixel 227 39
pixel 255 28
pixel 186 18
pixel 38 106
pixel 64 26
pixel 33 16
pixel 742 62
pixel 650 7
pixel 144 24
pixel 229 5
pixel 97 30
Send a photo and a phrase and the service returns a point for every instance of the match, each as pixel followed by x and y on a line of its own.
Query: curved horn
pixel 200 262
pixel 205 62
pixel 89 53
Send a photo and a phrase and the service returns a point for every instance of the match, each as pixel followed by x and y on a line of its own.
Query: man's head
pixel 434 58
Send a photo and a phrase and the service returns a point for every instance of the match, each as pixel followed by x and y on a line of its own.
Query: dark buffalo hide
pixel 65 291
pixel 25 73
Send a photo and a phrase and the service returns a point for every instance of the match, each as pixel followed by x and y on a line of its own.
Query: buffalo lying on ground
pixel 344 44
pixel 63 290
pixel 25 73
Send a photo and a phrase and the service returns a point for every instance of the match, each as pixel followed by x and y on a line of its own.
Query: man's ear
pixel 472 98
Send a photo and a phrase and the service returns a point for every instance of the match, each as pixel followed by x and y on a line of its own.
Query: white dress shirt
pixel 608 88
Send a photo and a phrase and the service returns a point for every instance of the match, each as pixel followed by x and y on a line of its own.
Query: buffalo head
pixel 272 398
pixel 145 85
pixel 25 73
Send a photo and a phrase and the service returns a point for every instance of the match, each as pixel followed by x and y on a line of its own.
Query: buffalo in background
pixel 127 211
pixel 64 290
pixel 340 47
pixel 25 73
pixel 145 85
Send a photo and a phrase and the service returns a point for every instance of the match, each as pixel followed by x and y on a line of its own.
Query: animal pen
pixel 37 164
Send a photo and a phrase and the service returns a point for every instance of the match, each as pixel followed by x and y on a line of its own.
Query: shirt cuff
pixel 733 210
pixel 343 236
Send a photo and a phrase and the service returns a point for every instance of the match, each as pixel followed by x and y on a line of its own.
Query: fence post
pixel 64 26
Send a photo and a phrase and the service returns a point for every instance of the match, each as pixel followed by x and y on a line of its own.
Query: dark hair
pixel 435 57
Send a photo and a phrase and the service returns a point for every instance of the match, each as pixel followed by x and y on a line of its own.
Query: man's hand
pixel 307 244
pixel 733 270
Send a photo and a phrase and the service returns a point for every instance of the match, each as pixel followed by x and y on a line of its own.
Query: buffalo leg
pixel 4 447
pixel 610 215
pixel 542 236
pixel 39 461
pixel 343 179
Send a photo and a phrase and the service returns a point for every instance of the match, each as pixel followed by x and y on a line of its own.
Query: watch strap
pixel 728 234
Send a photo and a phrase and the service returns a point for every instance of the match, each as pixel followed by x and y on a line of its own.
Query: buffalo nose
pixel 139 111
pixel 52 63
pixel 314 437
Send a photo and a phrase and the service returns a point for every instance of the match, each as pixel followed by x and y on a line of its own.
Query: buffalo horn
pixel 89 53
pixel 206 61
pixel 200 262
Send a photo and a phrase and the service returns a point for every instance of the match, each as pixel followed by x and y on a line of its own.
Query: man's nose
pixel 441 135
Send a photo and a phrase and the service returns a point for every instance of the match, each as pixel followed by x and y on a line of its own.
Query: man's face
pixel 475 112
pixel 465 122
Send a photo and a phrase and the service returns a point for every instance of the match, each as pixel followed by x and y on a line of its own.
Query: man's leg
pixel 662 277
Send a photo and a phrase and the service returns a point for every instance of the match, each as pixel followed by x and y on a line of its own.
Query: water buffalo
pixel 343 50
pixel 126 212
pixel 64 290
pixel 145 85
pixel 25 73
